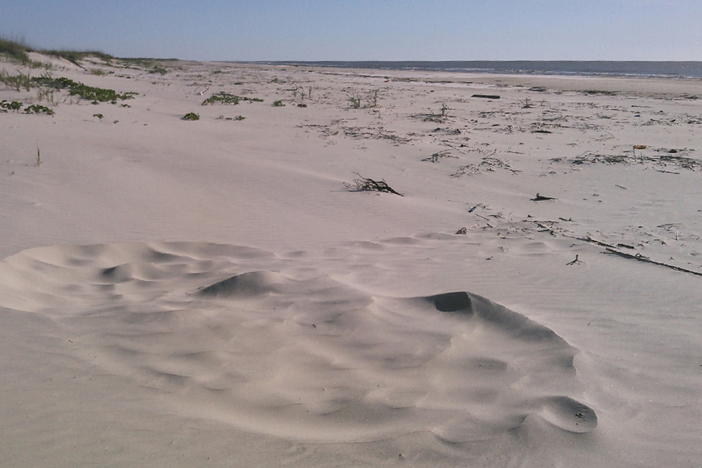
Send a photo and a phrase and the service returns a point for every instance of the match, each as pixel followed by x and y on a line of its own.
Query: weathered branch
pixel 642 258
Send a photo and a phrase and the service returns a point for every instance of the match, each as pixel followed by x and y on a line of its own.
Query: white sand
pixel 208 293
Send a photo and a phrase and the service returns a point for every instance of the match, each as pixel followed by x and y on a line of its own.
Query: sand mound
pixel 296 353
pixel 255 283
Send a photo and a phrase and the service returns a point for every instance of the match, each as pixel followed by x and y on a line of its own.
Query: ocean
pixel 560 67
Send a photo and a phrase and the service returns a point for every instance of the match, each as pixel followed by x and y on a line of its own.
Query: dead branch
pixel 365 184
pixel 613 250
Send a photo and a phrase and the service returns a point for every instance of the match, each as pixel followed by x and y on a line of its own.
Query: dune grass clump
pixel 238 117
pixel 14 49
pixel 75 56
pixel 83 91
pixel 365 184
pixel 149 65
pixel 191 116
pixel 226 98
pixel 17 82
pixel 18 51
pixel 278 103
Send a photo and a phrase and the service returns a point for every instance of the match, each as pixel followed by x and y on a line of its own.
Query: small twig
pixel 546 228
pixel 575 261
pixel 487 221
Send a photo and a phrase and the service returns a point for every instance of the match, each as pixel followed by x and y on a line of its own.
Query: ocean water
pixel 611 68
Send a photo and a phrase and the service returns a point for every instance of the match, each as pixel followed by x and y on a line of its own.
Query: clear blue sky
pixel 364 29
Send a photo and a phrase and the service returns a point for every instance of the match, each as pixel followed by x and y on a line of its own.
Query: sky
pixel 363 29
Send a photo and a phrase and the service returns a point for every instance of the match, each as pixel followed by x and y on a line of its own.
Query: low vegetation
pixel 226 98
pixel 278 103
pixel 356 102
pixel 191 116
pixel 10 105
pixel 16 106
pixel 38 109
pixel 83 91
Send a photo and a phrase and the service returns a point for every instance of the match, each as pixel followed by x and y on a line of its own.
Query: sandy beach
pixel 225 292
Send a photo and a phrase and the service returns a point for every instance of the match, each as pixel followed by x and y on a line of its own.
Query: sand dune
pixel 302 357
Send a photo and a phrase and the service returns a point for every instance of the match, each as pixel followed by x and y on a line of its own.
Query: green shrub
pixel 30 109
pixel 10 105
pixel 191 116
pixel 278 103
pixel 159 69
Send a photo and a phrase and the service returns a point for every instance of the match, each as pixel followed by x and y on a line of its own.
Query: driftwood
pixel 613 250
pixel 540 197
